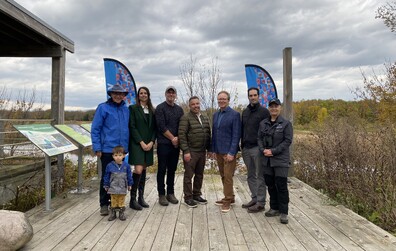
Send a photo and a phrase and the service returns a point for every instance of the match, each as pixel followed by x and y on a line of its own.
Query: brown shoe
pixel 220 202
pixel 225 207
pixel 256 208
pixel 249 204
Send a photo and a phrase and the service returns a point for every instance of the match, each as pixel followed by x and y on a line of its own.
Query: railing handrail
pixel 27 120
pixel 20 143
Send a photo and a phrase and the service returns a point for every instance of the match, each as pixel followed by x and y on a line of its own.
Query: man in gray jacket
pixel 194 139
pixel 251 118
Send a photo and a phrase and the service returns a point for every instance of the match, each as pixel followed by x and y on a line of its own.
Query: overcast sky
pixel 332 42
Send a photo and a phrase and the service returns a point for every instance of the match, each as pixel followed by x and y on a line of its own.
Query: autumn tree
pixel 388 14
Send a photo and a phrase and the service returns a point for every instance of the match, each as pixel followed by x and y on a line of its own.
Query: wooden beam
pixel 23 16
pixel 31 51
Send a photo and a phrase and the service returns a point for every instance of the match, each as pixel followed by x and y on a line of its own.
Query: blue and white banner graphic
pixel 117 73
pixel 261 79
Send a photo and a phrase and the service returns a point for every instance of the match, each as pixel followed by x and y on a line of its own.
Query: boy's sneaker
pixel 172 199
pixel 283 219
pixel 220 202
pixel 191 203
pixel 163 201
pixel 104 210
pixel 272 213
pixel 200 200
pixel 225 207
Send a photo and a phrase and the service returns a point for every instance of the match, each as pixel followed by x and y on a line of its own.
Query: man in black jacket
pixel 251 118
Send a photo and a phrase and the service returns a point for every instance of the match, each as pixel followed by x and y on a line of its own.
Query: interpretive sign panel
pixel 87 127
pixel 47 138
pixel 76 133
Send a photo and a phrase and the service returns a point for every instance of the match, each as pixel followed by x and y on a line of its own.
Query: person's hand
pixel 150 145
pixel 187 157
pixel 268 153
pixel 228 158
pixel 106 188
pixel 98 154
pixel 175 141
pixel 129 188
pixel 143 145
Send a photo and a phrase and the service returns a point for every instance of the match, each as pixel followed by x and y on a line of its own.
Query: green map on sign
pixel 76 133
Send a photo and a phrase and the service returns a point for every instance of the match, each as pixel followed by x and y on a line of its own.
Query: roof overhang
pixel 22 34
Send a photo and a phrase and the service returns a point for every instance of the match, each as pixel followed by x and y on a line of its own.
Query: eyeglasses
pixel 118 94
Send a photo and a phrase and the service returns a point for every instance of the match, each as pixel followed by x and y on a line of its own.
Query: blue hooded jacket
pixel 110 127
pixel 117 178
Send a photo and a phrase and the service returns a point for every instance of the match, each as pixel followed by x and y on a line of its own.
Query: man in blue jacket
pixel 109 129
pixel 226 132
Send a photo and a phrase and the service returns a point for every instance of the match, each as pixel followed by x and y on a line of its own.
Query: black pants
pixel 278 192
pixel 104 198
pixel 168 157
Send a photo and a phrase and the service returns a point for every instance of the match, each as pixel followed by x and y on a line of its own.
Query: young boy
pixel 117 179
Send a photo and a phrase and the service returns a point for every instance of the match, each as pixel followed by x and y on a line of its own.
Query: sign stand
pixel 80 179
pixel 80 169
pixel 47 183
pixel 52 143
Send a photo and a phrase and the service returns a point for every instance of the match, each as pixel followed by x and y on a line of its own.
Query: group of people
pixel 265 138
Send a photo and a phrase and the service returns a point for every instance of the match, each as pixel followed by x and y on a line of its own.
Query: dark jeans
pixel 168 157
pixel 278 192
pixel 194 168
pixel 104 198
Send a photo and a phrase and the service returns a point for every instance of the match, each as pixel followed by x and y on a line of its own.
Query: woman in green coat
pixel 142 131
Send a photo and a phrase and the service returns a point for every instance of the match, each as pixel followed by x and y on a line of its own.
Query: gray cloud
pixel 331 40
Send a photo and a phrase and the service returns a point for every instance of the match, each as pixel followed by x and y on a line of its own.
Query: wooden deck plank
pixel 314 224
pixel 251 234
pixel 327 227
pixel 65 221
pixel 77 217
pixel 321 237
pixel 235 238
pixel 346 223
pixel 137 219
pixel 80 232
pixel 200 233
pixel 164 239
pixel 217 235
pixel 268 235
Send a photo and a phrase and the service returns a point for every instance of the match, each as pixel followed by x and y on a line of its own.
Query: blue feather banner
pixel 117 73
pixel 257 77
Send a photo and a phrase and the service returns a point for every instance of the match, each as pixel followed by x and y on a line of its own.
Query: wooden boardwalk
pixel 314 224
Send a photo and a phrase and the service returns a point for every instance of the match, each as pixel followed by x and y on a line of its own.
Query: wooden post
pixel 58 104
pixel 2 131
pixel 288 92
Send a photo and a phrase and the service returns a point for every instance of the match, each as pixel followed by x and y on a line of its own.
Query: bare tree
pixel 204 82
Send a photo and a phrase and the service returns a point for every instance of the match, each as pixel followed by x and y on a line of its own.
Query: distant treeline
pixel 306 112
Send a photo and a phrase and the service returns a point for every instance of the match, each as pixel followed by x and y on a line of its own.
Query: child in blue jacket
pixel 117 182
